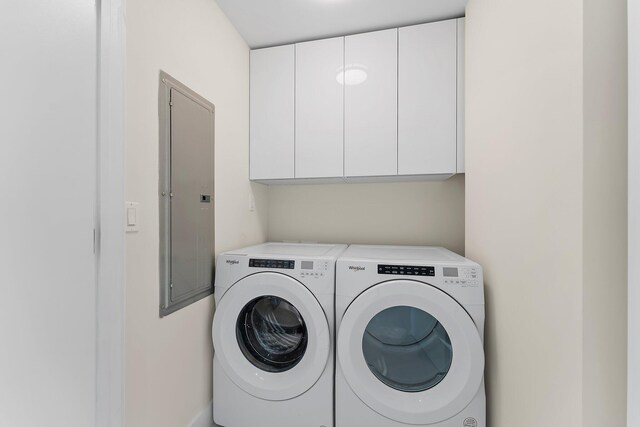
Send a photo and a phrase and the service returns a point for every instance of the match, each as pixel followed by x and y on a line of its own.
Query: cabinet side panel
pixel 461 97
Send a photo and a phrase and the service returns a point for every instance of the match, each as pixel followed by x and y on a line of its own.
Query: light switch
pixel 252 202
pixel 131 216
pixel 131 220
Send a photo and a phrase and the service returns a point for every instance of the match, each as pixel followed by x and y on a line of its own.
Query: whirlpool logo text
pixel 356 268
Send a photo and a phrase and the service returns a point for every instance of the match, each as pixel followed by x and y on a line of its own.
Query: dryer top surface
pixel 414 254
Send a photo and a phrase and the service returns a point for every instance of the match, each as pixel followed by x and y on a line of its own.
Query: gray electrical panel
pixel 186 195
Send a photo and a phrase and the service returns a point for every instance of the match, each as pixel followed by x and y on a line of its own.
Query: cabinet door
pixel 191 210
pixel 272 113
pixel 427 76
pixel 319 109
pixel 187 130
pixel 370 79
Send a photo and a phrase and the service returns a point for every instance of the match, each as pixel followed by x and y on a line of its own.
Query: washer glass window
pixel 407 349
pixel 271 334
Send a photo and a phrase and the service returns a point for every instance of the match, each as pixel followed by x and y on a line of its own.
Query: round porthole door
pixel 410 352
pixel 272 333
pixel 271 336
pixel 407 349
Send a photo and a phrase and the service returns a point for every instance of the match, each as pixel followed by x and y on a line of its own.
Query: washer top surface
pixel 292 250
pixel 413 254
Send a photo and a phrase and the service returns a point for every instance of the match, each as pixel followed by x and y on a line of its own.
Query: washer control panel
pixel 313 269
pixel 461 276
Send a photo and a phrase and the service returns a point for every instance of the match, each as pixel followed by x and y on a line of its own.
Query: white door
pixel 371 98
pixel 48 169
pixel 410 352
pixel 427 113
pixel 272 113
pixel 319 108
pixel 271 336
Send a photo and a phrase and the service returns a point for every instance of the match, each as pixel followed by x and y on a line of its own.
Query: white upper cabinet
pixel 319 109
pixel 386 105
pixel 427 113
pixel 370 122
pixel 272 113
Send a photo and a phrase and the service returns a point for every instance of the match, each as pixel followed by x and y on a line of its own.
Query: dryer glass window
pixel 407 349
pixel 271 334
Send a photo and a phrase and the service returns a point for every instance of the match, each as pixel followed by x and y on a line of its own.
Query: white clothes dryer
pixel 410 326
pixel 273 334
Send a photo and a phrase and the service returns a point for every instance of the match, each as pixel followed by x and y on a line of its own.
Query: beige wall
pixel 168 361
pixel 524 203
pixel 534 214
pixel 418 213
pixel 605 213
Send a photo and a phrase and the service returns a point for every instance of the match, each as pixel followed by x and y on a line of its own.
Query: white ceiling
pixel 274 22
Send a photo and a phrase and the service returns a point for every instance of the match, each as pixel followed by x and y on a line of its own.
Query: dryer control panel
pixel 313 269
pixel 406 270
pixel 463 276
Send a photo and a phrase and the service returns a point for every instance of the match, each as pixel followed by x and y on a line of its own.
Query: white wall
pixel 605 213
pixel 545 202
pixel 634 214
pixel 47 213
pixel 168 360
pixel 419 213
pixel 110 212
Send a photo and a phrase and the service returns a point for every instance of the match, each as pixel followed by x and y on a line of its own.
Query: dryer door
pixel 271 336
pixel 410 352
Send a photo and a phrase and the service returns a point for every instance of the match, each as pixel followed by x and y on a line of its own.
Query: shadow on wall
pixel 489 345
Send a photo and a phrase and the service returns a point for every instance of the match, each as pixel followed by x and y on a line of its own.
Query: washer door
pixel 271 336
pixel 410 352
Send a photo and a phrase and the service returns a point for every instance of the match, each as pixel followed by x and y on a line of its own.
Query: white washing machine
pixel 273 328
pixel 410 338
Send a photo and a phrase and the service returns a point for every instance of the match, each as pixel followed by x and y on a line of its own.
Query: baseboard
pixel 205 418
